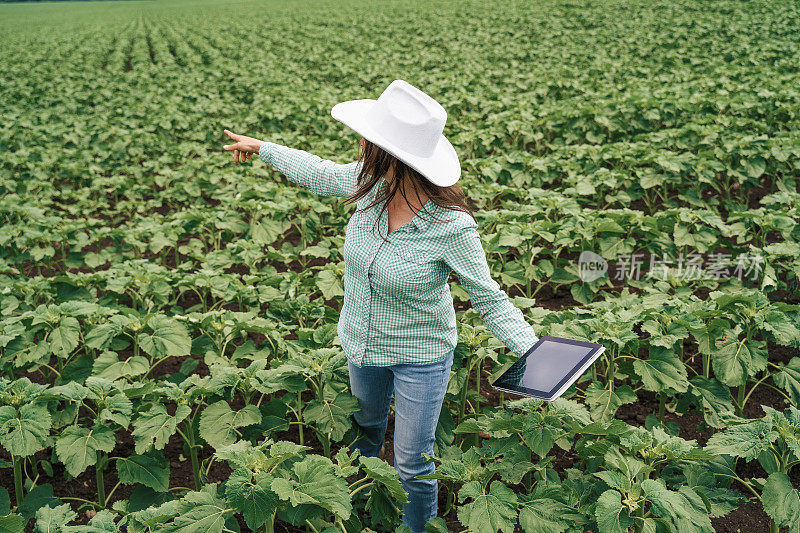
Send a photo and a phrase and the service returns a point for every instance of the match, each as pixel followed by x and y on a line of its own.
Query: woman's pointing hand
pixel 244 148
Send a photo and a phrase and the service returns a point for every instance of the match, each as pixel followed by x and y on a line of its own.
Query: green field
pixel 168 349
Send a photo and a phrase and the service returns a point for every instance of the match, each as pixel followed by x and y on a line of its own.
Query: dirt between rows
pixel 749 517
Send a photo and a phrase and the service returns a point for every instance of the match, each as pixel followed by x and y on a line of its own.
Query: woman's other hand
pixel 244 148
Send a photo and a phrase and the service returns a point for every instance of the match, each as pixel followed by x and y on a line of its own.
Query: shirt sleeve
pixel 320 176
pixel 465 255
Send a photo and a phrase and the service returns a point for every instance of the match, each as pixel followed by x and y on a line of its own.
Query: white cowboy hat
pixel 408 124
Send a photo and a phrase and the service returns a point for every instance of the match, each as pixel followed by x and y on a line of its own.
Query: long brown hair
pixel 377 162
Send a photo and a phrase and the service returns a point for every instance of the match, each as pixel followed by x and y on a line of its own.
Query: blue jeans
pixel 418 395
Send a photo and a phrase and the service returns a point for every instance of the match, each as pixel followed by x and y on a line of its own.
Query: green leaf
pixel 615 480
pixel 780 325
pixel 65 337
pixel 5 501
pixel 315 483
pixel 102 522
pixel 627 464
pixel 117 409
pixel 12 523
pixel 168 339
pixel 721 500
pixel 107 365
pixel 50 519
pixel 386 475
pixel 541 432
pixel 206 513
pixel 344 461
pixel 77 446
pixel 154 427
pixel 714 399
pixel 781 501
pixel 488 512
pixel 746 440
pixel 787 424
pixel 611 516
pixel 329 283
pixel 788 378
pixel 544 515
pixel 101 335
pixel 158 513
pixel 255 500
pixel 151 470
pixel 25 431
pixel 218 423
pixel 684 510
pixel 755 166
pixel 603 402
pixel 40 496
pixel 435 525
pixel 663 371
pixel 332 417
pixel 735 360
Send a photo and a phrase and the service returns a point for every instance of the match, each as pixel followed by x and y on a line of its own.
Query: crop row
pixel 168 349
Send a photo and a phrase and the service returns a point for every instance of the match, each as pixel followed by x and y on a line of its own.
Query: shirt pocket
pixel 411 265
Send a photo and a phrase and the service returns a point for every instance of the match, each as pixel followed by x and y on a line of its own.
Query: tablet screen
pixel 545 367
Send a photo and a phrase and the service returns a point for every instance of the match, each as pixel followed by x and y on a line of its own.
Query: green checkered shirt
pixel 397 303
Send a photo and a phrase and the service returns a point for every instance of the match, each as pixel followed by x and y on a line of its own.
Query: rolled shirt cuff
pixel 536 339
pixel 265 152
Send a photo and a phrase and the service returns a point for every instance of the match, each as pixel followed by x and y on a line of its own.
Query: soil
pixel 85 485
pixel 748 518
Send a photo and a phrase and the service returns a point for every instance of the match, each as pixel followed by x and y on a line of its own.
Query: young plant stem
pixel 300 416
pixel 478 387
pixel 269 525
pixel 477 437
pixel 610 371
pixel 449 501
pixel 639 525
pixel 188 436
pixel 528 478
pixel 18 478
pixel 740 398
pixel 195 460
pixel 462 407
pixel 767 375
pixel 111 493
pixel 357 489
pixel 326 443
pixel 662 407
pixel 94 504
pixel 101 489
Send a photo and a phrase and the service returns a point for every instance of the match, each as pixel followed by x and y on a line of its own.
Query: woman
pixel 397 324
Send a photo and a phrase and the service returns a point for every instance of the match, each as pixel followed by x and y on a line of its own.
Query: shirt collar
pixel 418 222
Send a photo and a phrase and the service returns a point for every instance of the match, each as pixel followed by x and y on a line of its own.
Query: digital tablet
pixel 549 368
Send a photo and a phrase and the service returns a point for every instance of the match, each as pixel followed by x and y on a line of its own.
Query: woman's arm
pixel 464 254
pixel 320 176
